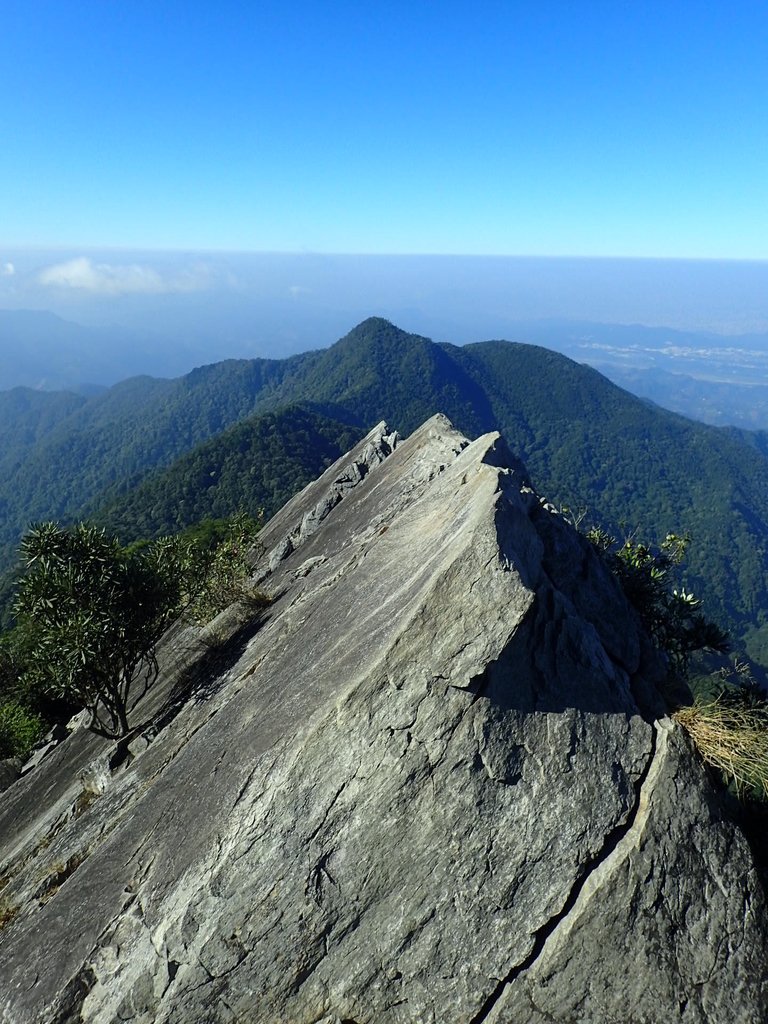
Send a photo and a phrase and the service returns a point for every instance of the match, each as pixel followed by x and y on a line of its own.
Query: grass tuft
pixel 732 736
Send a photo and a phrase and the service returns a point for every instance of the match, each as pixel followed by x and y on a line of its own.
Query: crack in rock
pixel 595 872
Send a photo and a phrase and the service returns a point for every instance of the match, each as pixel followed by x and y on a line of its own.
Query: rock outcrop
pixel 434 784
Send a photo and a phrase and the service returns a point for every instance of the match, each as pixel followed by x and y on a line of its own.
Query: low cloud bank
pixel 121 279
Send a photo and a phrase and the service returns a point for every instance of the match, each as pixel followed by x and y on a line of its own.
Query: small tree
pixel 91 613
pixel 672 616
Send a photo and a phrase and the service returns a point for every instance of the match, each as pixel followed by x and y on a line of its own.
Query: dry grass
pixel 732 737
pixel 8 912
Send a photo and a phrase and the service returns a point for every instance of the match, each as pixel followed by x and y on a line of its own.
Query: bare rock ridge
pixel 435 784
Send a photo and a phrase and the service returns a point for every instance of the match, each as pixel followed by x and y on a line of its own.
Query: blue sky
pixel 543 127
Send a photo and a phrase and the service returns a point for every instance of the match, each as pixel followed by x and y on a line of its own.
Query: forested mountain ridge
pixel 587 444
pixel 379 371
pixel 257 465
pixel 120 435
pixel 27 417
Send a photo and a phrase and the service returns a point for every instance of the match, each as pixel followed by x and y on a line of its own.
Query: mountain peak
pixel 378 329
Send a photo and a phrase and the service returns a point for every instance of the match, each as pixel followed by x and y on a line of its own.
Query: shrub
pixel 672 617
pixel 20 729
pixel 219 570
pixel 90 615
pixel 728 721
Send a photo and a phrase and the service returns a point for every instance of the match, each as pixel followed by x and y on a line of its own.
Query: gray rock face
pixel 329 490
pixel 434 785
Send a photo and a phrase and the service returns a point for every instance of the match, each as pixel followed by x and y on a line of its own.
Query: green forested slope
pixel 26 412
pixel 256 465
pixel 379 371
pixel 124 433
pixel 586 442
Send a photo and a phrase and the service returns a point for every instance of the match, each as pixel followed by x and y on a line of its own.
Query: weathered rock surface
pixel 435 785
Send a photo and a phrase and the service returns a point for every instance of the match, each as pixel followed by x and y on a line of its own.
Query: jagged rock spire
pixel 435 784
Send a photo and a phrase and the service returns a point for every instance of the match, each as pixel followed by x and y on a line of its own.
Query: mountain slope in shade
pixel 256 465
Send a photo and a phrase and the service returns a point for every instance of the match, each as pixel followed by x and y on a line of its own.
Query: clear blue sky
pixel 598 127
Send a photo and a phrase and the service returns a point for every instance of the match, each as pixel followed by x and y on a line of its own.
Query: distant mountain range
pixel 718 379
pixel 150 455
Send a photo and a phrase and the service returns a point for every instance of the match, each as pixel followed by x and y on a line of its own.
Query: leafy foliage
pixel 90 614
pixel 672 616
pixel 20 729
pixel 217 568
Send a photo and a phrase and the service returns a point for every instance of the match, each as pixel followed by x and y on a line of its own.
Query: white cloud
pixel 7 270
pixel 121 279
pixel 296 290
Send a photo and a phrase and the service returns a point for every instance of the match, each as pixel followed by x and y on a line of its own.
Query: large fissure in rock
pixel 590 877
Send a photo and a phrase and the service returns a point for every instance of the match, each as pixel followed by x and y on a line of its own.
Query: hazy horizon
pixel 198 179
pixel 278 299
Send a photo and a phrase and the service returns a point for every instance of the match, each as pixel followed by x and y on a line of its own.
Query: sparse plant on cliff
pixel 729 726
pixel 8 911
pixel 221 570
pixel 91 614
pixel 731 733
pixel 672 616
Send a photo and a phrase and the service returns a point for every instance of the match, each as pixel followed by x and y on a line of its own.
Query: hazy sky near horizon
pixel 534 128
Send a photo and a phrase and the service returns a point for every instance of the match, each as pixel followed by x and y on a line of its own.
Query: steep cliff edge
pixel 435 784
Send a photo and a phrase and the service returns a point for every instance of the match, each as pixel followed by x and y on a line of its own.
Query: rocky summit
pixel 434 782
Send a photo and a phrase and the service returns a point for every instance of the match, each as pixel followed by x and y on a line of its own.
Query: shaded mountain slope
pixel 124 433
pixel 256 465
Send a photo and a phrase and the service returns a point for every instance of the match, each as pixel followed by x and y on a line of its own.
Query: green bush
pixel 20 729
pixel 672 617
pixel 219 570
pixel 90 612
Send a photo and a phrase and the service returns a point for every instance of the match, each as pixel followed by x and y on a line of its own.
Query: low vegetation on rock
pixel 20 728
pixel 672 616
pixel 728 719
pixel 90 613
pixel 731 733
